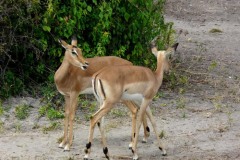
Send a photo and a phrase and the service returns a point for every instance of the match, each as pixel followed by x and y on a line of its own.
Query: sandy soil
pixel 199 120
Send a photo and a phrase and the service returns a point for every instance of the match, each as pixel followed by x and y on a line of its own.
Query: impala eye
pixel 74 53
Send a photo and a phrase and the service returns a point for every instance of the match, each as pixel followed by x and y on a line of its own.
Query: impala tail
pixel 98 89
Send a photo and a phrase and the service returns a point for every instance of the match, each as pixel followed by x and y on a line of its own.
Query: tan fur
pixel 71 81
pixel 135 81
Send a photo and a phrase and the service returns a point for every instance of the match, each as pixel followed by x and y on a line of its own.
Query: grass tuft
pixel 215 30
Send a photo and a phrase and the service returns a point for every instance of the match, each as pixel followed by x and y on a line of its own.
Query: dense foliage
pixel 30 28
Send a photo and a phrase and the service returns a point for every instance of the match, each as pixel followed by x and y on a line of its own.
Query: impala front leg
pixel 72 111
pixel 66 119
pixel 134 109
pixel 146 129
pixel 141 113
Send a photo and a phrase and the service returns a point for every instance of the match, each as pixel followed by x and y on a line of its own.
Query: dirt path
pixel 198 121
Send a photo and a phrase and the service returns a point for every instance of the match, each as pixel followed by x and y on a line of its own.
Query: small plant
pixel 217 106
pixel 215 30
pixel 91 109
pixel 201 47
pixel 43 110
pixel 22 111
pixel 163 104
pixel 17 127
pixel 1 126
pixel 51 113
pixel 212 66
pixel 118 112
pixel 184 115
pixel 181 91
pixel 35 126
pixel 181 102
pixel 54 114
pixel 230 119
pixel 1 108
pixel 183 80
pixel 158 95
pixel 51 127
pixel 175 79
pixel 162 134
pixel 60 139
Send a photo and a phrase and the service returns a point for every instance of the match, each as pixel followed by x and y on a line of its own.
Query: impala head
pixel 166 56
pixel 73 54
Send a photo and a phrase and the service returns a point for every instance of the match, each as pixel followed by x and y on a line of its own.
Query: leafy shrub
pixel 11 85
pixel 28 46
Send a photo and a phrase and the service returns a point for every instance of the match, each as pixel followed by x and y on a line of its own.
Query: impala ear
pixel 74 40
pixel 154 49
pixel 171 51
pixel 63 43
pixel 154 46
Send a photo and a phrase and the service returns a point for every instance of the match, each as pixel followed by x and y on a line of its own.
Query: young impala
pixel 73 77
pixel 134 83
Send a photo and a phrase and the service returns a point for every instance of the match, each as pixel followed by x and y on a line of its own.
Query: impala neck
pixel 160 69
pixel 63 71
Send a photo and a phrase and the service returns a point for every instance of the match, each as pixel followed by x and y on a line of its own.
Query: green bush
pixel 28 46
pixel 11 84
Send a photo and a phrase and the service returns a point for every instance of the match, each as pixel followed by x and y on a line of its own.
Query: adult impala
pixel 129 83
pixel 73 77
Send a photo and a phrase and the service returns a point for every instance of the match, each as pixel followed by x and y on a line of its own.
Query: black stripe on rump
pixel 102 89
pixel 94 86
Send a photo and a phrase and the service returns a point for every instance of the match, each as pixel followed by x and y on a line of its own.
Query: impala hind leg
pixel 146 129
pixel 134 109
pixel 153 122
pixel 105 108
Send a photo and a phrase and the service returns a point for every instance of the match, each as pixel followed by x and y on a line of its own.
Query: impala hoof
pixel 130 146
pixel 135 157
pixel 144 140
pixel 86 157
pixel 66 148
pixel 164 151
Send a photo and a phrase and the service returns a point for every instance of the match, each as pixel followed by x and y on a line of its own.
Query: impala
pixel 73 77
pixel 133 83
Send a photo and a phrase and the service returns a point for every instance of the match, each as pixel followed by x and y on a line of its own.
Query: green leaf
pixel 95 2
pixel 126 16
pixel 101 15
pixel 89 8
pixel 46 28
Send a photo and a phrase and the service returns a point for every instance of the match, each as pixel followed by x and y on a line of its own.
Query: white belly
pixel 133 97
pixel 87 91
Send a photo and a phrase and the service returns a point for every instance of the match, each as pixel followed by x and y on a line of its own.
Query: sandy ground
pixel 199 120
